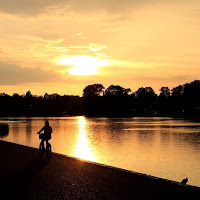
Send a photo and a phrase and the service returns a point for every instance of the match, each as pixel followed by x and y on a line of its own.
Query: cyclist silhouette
pixel 47 134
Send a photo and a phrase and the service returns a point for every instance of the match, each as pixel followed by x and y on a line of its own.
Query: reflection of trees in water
pixel 4 130
pixel 104 129
pixel 146 136
pixel 15 127
pixel 146 130
pixel 3 134
pixel 192 139
pixel 114 130
pixel 28 130
pixel 165 136
pixel 185 132
pixel 56 123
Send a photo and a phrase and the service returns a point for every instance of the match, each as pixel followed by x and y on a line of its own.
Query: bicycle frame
pixel 42 147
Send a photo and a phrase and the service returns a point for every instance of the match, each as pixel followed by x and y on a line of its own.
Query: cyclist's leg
pixel 47 143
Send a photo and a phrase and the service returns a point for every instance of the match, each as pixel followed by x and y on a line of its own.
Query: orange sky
pixel 61 46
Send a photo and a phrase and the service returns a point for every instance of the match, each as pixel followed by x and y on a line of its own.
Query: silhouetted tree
pixel 116 90
pixel 146 92
pixel 186 99
pixel 145 101
pixel 92 99
pixel 15 95
pixel 191 98
pixel 5 104
pixel 117 101
pixel 164 92
pixel 46 96
pixel 164 101
pixel 93 90
pixel 177 91
pixel 28 94
pixel 2 94
pixel 192 89
pixel 177 107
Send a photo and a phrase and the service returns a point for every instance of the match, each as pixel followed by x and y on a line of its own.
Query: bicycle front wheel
pixel 41 150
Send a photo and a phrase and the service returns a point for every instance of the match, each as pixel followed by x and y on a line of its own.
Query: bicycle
pixel 43 150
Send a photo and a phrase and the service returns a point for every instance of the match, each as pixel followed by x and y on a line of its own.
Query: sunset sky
pixel 61 46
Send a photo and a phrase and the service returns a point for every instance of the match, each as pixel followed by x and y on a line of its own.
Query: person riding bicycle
pixel 47 134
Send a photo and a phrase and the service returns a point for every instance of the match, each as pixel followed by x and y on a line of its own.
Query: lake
pixel 163 147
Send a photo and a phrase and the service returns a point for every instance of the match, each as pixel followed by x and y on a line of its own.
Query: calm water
pixel 163 147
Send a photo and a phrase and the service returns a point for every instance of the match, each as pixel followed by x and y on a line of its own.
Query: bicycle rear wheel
pixel 41 150
pixel 48 151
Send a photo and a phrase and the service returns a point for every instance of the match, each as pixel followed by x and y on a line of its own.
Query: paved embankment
pixel 24 176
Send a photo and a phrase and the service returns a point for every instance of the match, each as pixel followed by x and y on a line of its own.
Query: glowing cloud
pixel 95 47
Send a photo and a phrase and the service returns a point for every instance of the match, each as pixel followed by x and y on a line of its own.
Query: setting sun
pixel 83 65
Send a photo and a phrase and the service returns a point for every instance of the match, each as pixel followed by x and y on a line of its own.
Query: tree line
pixel 183 100
pixel 114 101
pixel 33 105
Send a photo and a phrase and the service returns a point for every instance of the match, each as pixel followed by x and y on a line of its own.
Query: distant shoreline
pixel 96 116
pixel 116 101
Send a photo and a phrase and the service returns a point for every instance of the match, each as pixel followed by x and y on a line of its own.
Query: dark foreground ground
pixel 24 176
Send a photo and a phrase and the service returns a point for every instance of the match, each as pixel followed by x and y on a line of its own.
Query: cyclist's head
pixel 47 123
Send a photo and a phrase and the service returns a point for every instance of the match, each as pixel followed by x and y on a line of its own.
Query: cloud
pixel 30 7
pixel 118 5
pixel 35 7
pixel 111 5
pixel 95 47
pixel 11 74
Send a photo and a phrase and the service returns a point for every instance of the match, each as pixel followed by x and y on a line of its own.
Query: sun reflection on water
pixel 82 148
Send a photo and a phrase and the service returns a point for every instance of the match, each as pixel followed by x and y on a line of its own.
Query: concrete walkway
pixel 24 176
